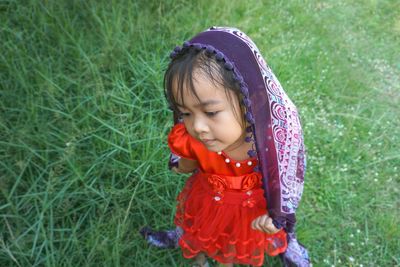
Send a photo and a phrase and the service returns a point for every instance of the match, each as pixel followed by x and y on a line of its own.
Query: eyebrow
pixel 204 104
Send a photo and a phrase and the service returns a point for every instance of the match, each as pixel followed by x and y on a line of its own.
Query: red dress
pixel 217 205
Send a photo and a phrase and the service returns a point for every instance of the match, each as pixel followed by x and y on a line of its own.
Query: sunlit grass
pixel 83 125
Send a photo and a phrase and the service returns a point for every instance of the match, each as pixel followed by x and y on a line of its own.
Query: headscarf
pixel 275 127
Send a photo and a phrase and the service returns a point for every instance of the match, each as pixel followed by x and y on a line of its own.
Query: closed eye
pixel 185 114
pixel 211 114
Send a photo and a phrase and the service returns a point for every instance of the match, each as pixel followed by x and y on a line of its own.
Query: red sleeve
pixel 181 142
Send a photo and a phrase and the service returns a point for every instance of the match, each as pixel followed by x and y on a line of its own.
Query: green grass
pixel 83 124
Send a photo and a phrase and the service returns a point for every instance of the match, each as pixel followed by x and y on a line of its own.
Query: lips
pixel 208 141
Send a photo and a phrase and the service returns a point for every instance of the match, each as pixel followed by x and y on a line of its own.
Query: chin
pixel 213 149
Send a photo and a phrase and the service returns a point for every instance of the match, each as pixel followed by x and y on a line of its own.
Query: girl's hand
pixel 185 166
pixel 264 224
pixel 177 170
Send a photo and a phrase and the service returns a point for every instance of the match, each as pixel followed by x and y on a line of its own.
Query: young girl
pixel 240 135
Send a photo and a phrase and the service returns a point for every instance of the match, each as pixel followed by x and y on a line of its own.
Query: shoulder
pixel 181 142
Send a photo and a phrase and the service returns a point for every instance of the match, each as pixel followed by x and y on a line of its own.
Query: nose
pixel 200 125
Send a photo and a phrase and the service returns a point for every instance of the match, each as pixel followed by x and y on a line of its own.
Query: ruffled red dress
pixel 217 205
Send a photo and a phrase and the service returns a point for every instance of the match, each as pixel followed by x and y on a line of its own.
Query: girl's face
pixel 210 118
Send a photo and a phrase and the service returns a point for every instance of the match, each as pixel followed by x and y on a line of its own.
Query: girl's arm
pixel 186 166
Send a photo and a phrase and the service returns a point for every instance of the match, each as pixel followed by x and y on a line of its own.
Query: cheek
pixel 188 126
pixel 229 120
pixel 228 125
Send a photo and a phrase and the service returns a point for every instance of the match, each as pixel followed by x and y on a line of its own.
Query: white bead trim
pixel 237 164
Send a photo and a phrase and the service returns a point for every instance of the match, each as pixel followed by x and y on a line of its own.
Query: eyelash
pixel 209 114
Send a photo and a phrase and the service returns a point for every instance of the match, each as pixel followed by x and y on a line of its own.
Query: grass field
pixel 83 124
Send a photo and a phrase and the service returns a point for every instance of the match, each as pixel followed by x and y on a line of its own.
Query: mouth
pixel 208 141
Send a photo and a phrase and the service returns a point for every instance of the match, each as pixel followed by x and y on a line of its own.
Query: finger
pixel 269 222
pixel 264 219
pixel 263 222
pixel 175 169
pixel 255 223
pixel 273 229
pixel 268 225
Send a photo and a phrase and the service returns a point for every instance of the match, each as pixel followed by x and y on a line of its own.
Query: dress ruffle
pixel 219 223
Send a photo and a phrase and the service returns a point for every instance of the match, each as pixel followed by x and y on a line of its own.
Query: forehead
pixel 203 92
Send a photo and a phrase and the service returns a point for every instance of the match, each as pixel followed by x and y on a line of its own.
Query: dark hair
pixel 180 72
